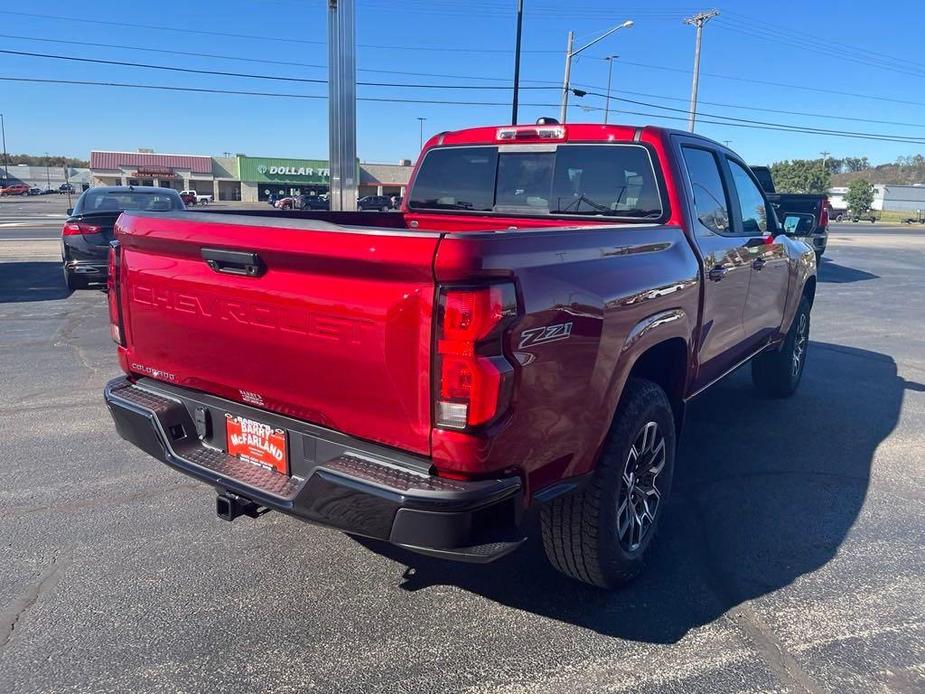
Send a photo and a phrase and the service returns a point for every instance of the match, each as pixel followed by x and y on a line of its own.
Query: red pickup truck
pixel 525 333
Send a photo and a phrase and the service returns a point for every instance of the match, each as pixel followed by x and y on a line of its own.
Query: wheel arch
pixel 809 289
pixel 665 363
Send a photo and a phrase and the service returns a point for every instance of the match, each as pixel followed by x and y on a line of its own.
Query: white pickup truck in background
pixel 200 198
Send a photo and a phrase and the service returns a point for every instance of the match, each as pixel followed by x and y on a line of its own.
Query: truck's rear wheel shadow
pixel 766 491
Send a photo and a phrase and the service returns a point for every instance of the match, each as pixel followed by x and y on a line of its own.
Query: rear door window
pixel 754 209
pixel 456 179
pixel 710 199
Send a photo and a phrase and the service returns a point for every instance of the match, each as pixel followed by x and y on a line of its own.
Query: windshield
pixel 112 201
pixel 608 180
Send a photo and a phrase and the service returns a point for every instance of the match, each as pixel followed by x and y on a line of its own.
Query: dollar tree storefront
pixel 262 177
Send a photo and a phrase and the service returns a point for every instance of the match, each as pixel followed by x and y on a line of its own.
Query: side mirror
pixel 799 224
pixel 69 211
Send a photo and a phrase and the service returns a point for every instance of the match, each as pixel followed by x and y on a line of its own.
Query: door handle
pixel 758 263
pixel 717 272
pixel 233 262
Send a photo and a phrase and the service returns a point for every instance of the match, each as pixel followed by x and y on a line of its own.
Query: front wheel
pixel 601 534
pixel 778 373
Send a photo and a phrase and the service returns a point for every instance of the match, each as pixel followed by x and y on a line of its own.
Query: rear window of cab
pixel 612 180
pixel 113 201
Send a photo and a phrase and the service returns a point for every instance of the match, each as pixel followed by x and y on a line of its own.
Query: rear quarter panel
pixel 605 282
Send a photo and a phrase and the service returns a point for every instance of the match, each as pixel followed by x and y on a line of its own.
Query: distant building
pixel 249 179
pixel 47 176
pixel 887 197
pixel 890 198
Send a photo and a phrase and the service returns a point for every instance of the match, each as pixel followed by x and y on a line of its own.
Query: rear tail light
pixel 824 213
pixel 75 228
pixel 473 379
pixel 113 284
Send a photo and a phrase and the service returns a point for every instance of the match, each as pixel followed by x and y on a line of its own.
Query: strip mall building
pixel 249 179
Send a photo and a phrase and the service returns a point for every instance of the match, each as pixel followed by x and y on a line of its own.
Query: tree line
pixel 818 175
pixel 33 160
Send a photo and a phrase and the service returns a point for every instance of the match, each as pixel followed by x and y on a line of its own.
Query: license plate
pixel 257 443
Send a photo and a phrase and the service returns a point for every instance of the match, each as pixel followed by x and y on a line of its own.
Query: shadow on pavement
pixel 839 274
pixel 766 491
pixel 32 281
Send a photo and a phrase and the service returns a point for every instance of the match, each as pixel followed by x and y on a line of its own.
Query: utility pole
pixel 421 120
pixel 342 105
pixel 6 161
pixel 726 142
pixel 520 24
pixel 47 175
pixel 825 158
pixel 698 20
pixel 609 59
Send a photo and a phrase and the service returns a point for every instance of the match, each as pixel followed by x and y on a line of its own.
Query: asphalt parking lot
pixel 791 558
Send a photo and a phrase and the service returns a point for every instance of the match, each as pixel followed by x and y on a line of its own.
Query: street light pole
pixel 569 54
pixel 563 107
pixel 47 175
pixel 6 161
pixel 421 120
pixel 520 24
pixel 609 59
pixel 698 20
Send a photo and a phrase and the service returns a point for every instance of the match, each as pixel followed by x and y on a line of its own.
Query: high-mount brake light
pixel 531 132
pixel 473 378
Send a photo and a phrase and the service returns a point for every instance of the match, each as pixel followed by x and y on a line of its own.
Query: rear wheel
pixel 778 373
pixel 601 534
pixel 74 281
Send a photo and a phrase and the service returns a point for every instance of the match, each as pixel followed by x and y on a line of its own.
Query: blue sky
pixel 848 51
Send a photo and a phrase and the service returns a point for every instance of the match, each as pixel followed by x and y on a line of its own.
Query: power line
pixel 206 90
pixel 259 60
pixel 803 39
pixel 258 37
pixel 791 31
pixel 243 92
pixel 761 109
pixel 223 73
pixel 751 80
pixel 814 47
pixel 447 48
pixel 779 126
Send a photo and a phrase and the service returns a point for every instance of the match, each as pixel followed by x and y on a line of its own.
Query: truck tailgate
pixel 334 328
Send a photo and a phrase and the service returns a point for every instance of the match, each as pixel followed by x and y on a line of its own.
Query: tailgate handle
pixel 233 262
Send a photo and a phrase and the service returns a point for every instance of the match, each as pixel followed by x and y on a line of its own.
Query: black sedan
pixel 375 202
pixel 89 227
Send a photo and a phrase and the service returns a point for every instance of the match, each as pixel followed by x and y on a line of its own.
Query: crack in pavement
pixel 758 633
pixel 13 613
pixel 772 651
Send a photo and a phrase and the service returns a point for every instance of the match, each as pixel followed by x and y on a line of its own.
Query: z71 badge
pixel 547 333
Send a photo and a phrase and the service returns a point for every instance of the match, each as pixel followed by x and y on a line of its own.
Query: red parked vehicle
pixel 528 331
pixel 15 189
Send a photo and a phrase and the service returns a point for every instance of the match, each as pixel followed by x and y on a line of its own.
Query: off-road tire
pixel 580 530
pixel 776 373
